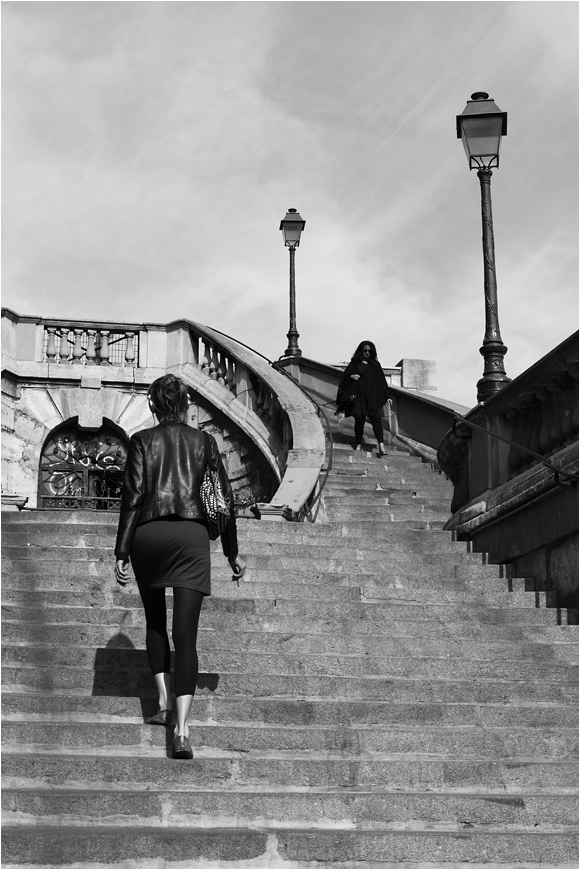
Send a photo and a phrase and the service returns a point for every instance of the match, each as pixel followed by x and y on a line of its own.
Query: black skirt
pixel 171 551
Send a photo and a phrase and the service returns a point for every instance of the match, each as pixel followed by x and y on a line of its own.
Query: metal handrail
pixel 320 413
pixel 558 472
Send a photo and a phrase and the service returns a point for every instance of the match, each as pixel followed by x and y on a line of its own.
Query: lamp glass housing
pixel 292 227
pixel 481 137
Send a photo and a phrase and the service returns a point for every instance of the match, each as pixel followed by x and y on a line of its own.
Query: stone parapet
pixel 509 498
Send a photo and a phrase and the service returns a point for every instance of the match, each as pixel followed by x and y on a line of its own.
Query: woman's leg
pixel 359 425
pixel 186 609
pixel 157 643
pixel 377 425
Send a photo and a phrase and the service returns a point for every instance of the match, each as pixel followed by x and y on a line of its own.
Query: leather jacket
pixel 163 474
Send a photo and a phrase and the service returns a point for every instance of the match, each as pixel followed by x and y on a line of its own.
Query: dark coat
pixel 163 475
pixel 372 391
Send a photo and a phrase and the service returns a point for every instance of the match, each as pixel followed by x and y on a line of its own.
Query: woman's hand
pixel 355 377
pixel 238 567
pixel 122 572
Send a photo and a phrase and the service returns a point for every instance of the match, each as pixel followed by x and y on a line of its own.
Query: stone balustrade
pixel 90 344
pixel 537 412
pixel 518 508
pixel 56 370
pixel 224 367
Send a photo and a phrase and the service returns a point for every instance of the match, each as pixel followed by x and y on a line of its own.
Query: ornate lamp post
pixel 292 227
pixel 481 126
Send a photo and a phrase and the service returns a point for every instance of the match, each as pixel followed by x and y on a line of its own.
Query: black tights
pixel 359 425
pixel 186 609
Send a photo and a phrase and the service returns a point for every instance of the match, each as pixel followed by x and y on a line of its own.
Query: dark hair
pixel 169 397
pixel 358 355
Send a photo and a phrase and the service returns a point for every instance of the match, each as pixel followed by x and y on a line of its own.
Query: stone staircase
pixel 372 695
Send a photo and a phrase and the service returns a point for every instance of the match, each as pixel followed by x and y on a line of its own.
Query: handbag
pixel 215 505
pixel 349 395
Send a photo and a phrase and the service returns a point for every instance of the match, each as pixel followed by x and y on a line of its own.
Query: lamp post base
pixel 292 349
pixel 494 377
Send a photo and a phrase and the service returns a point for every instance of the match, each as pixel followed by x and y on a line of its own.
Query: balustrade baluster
pixel 261 398
pixel 574 376
pixel 286 433
pixel 91 350
pixel 206 357
pixel 194 347
pixel 555 428
pixel 214 364
pixel 51 346
pixel 266 407
pixel 567 416
pixel 64 344
pixel 230 375
pixel 78 349
pixel 545 398
pixel 535 426
pixel 516 457
pixel 526 432
pixel 104 352
pixel 242 386
pixel 129 350
pixel 221 370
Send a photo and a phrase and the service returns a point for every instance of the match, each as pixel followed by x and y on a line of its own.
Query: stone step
pixel 320 809
pixel 123 608
pixel 47 846
pixel 255 663
pixel 388 513
pixel 108 680
pixel 248 530
pixel 365 589
pixel 379 498
pixel 19 634
pixel 18 707
pixel 302 771
pixel 313 580
pixel 340 548
pixel 262 539
pixel 240 737
pixel 73 576
pixel 460 638
pixel 359 632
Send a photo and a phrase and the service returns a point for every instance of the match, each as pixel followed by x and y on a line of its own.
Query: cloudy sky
pixel 150 150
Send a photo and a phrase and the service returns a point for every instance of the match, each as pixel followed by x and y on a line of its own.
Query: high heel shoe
pixel 164 717
pixel 182 748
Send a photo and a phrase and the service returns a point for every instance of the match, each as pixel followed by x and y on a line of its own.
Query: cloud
pixel 152 148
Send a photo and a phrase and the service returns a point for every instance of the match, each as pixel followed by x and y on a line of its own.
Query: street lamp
pixel 481 126
pixel 292 227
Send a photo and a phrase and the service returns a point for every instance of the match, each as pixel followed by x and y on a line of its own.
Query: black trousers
pixel 186 609
pixel 359 425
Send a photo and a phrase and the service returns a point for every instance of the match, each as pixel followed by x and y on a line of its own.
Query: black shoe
pixel 181 748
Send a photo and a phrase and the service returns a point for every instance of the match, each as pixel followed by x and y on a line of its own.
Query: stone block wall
pixel 30 414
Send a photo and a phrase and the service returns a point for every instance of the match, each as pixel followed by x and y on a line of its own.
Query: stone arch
pixel 81 468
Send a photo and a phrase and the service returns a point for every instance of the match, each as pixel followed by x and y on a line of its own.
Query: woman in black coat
pixel 363 392
pixel 163 532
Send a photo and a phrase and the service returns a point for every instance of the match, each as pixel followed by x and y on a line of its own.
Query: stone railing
pixel 90 344
pixel 518 508
pixel 537 412
pixel 217 357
